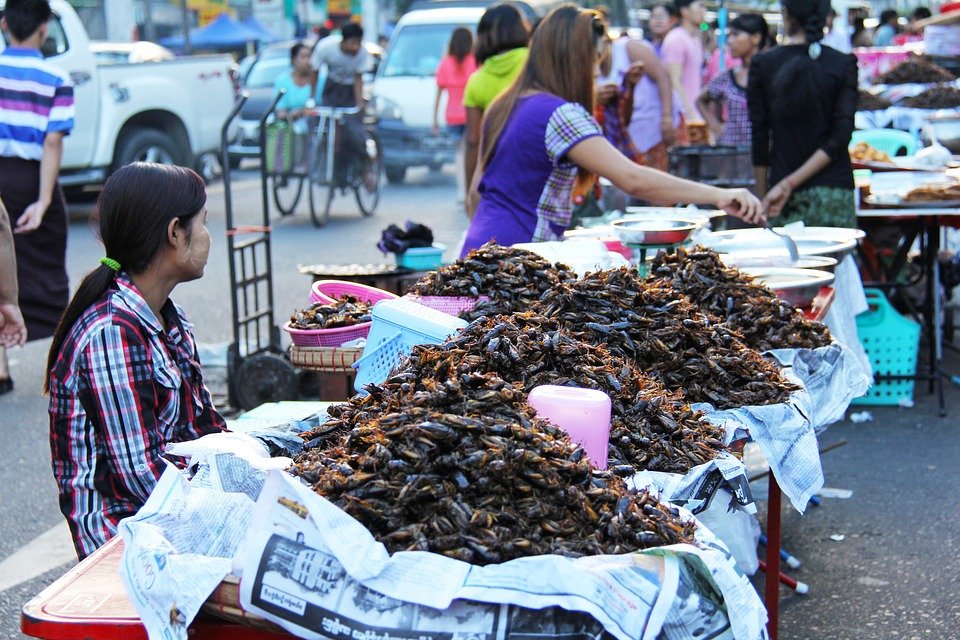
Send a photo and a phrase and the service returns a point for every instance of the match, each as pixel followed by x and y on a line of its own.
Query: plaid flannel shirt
pixel 121 389
pixel 568 125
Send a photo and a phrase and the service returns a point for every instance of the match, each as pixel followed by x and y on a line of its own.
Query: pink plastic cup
pixel 583 413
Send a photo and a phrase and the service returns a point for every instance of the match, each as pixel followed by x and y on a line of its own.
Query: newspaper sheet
pixel 314 570
pixel 832 376
pixel 786 437
pixel 177 549
pixel 695 489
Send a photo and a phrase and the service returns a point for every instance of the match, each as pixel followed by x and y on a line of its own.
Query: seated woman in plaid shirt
pixel 539 134
pixel 123 373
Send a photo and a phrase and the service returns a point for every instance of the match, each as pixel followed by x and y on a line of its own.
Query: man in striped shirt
pixel 36 113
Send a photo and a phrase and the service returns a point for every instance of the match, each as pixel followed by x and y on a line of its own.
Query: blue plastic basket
pixel 398 325
pixel 891 342
pixel 422 258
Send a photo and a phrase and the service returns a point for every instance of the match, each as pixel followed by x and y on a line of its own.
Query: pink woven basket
pixel 327 337
pixel 327 291
pixel 452 305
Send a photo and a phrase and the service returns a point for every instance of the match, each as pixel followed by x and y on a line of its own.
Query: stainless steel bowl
pixel 796 286
pixel 947 130
pixel 822 263
pixel 654 231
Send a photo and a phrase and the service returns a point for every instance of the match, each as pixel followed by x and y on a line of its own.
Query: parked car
pixel 169 111
pixel 129 52
pixel 405 87
pixel 257 74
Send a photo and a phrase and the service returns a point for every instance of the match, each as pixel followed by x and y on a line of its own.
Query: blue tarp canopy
pixel 222 33
pixel 255 25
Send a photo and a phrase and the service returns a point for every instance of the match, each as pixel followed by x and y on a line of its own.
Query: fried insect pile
pixel 345 312
pixel 512 278
pixel 484 489
pixel 764 320
pixel 667 337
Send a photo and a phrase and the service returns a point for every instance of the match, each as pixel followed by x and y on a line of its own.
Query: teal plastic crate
pixel 422 258
pixel 891 343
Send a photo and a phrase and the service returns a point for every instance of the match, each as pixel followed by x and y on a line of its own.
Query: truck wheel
pixel 395 175
pixel 148 145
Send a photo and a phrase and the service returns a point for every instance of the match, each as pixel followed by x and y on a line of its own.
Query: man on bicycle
pixel 346 60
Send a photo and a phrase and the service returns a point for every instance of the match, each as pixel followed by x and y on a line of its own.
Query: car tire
pixel 149 145
pixel 395 175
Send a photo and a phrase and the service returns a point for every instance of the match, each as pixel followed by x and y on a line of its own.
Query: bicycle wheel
pixel 321 192
pixel 368 195
pixel 286 193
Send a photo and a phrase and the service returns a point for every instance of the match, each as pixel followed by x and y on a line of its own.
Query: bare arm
pixel 472 148
pixel 358 89
pixel 49 172
pixel 436 111
pixel 640 52
pixel 13 331
pixel 706 107
pixel 675 71
pixel 599 157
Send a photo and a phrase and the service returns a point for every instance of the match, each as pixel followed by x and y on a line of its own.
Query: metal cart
pixel 258 371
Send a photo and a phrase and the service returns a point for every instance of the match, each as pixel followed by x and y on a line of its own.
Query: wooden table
pixel 90 603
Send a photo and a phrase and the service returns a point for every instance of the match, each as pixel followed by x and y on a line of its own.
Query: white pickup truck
pixel 167 112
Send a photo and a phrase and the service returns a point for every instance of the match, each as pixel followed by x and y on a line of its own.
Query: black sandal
pixel 6 385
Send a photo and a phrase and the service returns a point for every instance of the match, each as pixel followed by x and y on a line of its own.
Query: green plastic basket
pixel 891 342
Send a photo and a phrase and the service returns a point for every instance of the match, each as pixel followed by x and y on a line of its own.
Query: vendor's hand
pixel 633 75
pixel 776 199
pixel 435 129
pixel 607 93
pixel 31 218
pixel 13 331
pixel 667 131
pixel 742 204
pixel 717 131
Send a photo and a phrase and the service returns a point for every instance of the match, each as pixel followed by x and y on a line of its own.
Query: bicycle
pixel 323 174
pixel 293 157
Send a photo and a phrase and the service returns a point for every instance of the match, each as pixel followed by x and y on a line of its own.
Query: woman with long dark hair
pixel 501 52
pixel 802 98
pixel 123 372
pixel 539 135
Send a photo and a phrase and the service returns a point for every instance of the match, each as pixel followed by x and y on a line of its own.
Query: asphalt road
pixel 895 574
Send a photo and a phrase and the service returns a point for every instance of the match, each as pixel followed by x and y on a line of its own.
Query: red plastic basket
pixel 327 337
pixel 327 291
pixel 453 305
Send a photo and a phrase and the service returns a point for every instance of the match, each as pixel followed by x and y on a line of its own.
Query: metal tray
pixel 895 201
pixel 796 286
pixel 654 231
pixel 823 263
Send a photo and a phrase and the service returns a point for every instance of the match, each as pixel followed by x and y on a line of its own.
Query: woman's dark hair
pixel 668 7
pixel 795 86
pixel 501 28
pixel 888 15
pixel 295 49
pixel 24 17
pixel 461 43
pixel 753 23
pixel 921 13
pixel 136 206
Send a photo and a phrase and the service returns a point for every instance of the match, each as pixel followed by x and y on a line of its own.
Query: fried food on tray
pixel 934 193
pixel 863 152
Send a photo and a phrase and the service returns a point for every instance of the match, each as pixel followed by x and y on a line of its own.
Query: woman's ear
pixel 175 232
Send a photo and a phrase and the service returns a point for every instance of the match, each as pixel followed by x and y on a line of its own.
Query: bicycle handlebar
pixel 333 111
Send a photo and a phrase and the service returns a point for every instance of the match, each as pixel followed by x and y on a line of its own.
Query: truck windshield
pixel 265 71
pixel 417 50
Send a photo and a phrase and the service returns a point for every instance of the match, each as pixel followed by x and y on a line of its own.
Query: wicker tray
pixel 327 359
pixel 224 603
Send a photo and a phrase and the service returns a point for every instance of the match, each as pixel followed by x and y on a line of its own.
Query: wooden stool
pixel 334 366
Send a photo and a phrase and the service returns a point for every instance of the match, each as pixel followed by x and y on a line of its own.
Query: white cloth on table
pixel 849 302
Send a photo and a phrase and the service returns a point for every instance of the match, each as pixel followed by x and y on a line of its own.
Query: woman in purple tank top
pixel 539 136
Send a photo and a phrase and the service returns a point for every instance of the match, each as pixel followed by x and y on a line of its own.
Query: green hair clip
pixel 110 262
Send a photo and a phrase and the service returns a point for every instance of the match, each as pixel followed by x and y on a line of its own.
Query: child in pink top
pixel 682 54
pixel 452 74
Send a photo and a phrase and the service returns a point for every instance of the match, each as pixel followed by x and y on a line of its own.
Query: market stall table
pixel 924 221
pixel 89 602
